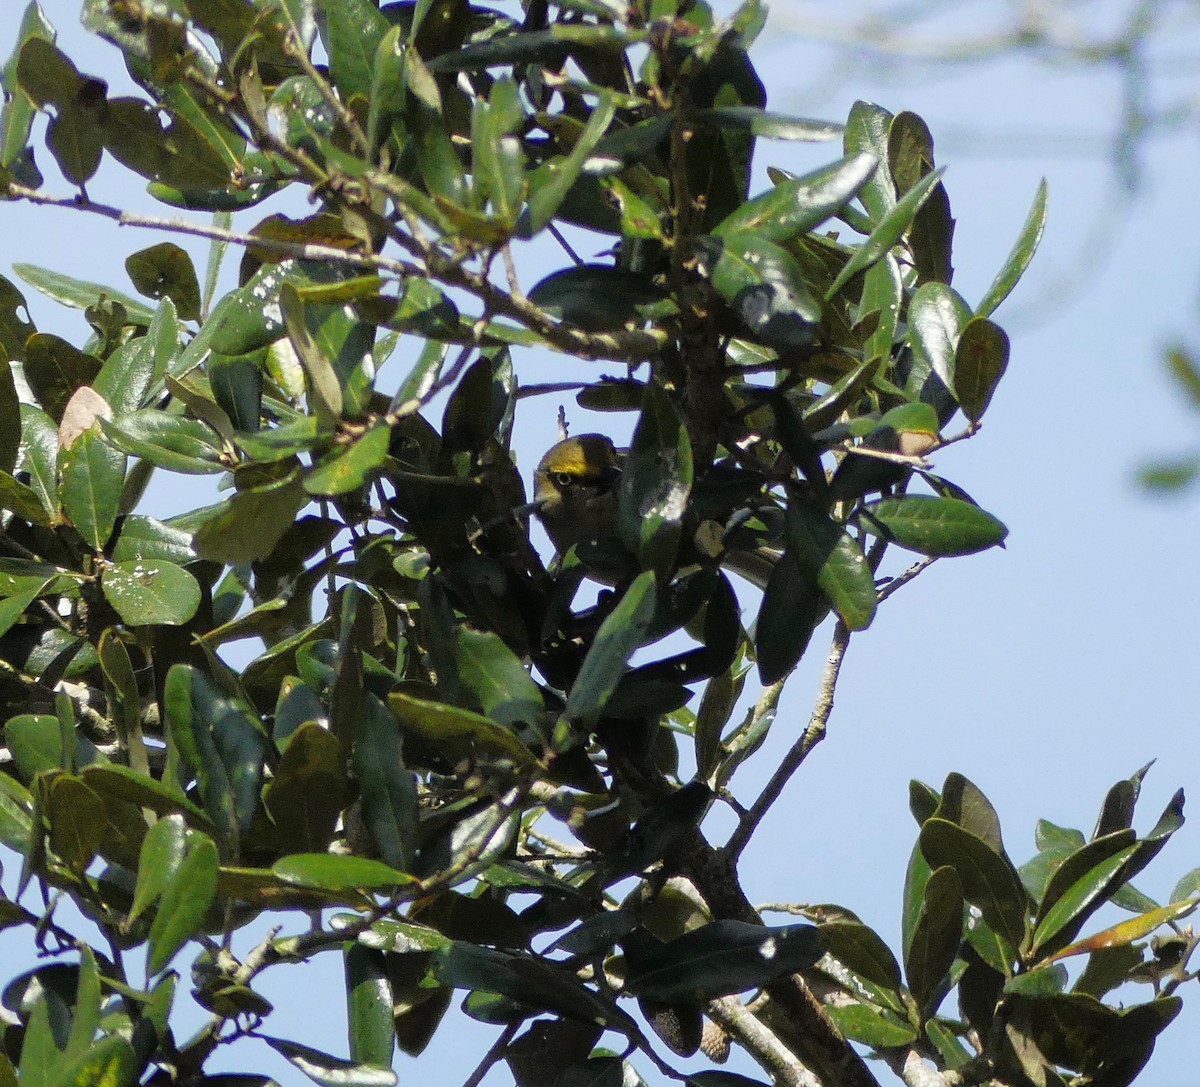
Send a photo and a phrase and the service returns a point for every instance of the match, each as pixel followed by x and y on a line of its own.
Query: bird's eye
pixel 562 479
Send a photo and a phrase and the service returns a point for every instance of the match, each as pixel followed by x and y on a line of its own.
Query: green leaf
pixel 339 872
pixel 55 370
pixel 862 950
pixel 1018 260
pixel 81 294
pixel 16 117
pixel 166 271
pixel 351 31
pixel 124 783
pixel 763 285
pixel 761 122
pixel 798 204
pixel 457 731
pixel 185 900
pixel 220 741
pixel 77 821
pixel 162 853
pixel 980 360
pixel 330 1071
pixel 147 591
pixel 886 233
pixel 833 559
pixel 145 538
pixel 619 635
pixel 22 501
pixel 932 525
pixel 936 318
pixel 109 1061
pixel 93 475
pixel 168 440
pixel 248 526
pixel 35 743
pixel 550 183
pixel 719 959
pixel 867 133
pixel 387 787
pixel 306 794
pixel 136 368
pixel 350 468
pixel 369 1006
pixel 598 298
pixel 936 936
pixel 792 606
pixel 874 1027
pixel 656 481
pixel 494 674
pixel 989 881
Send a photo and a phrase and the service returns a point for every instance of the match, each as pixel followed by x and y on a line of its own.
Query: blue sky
pixel 1044 671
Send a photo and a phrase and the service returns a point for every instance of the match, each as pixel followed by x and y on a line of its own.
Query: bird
pixel 575 490
pixel 575 497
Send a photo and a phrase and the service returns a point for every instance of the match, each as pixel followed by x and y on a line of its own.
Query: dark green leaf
pixel 598 298
pixel 933 526
pixel 989 881
pixel 980 359
pixel 797 204
pixel 935 936
pixel 350 468
pixel 830 556
pixel 306 794
pixel 792 606
pixel 721 958
pixel 619 635
pixel 1018 260
pixel 886 233
pixel 165 271
pixel 763 285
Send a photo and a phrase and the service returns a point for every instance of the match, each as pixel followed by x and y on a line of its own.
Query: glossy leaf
pixel 887 233
pixel 764 286
pixel 497 679
pixel 797 204
pixel 721 958
pixel 619 635
pixel 932 525
pixel 831 557
pixel 988 879
pixel 457 730
pixel 936 935
pixel 163 851
pixel 980 359
pixel 1018 260
pixel 306 794
pixel 93 474
pixel 185 899
pixel 332 872
pixel 165 271
pixel 77 821
pixel 387 787
pixel 597 297
pixel 549 185
pixel 873 1027
pixel 792 606
pixel 146 591
pixel 369 1006
pixel 330 1071
pixel 348 469
pixel 656 480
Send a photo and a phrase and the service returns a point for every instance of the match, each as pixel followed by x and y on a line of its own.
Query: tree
pixel 445 763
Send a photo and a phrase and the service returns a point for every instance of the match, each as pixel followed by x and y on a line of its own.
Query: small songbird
pixel 575 490
pixel 575 497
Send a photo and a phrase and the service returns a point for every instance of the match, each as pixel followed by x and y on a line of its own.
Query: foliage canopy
pixel 445 757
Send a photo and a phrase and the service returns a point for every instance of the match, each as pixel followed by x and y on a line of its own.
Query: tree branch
pixel 799 751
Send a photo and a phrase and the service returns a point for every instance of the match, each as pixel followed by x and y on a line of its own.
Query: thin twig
pixel 809 738
pixel 903 579
pixel 495 1053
